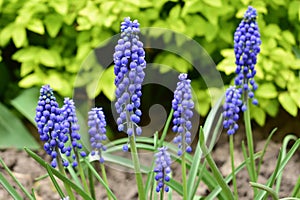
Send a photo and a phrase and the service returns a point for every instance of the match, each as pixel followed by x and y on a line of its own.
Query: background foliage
pixel 46 41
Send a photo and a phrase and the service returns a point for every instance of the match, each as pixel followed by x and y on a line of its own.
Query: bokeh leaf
pixel 288 103
pixel 13 133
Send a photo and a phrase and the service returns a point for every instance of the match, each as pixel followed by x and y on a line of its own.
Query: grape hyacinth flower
pixel 162 169
pixel 231 108
pixel 70 128
pixel 48 118
pixel 182 105
pixel 129 59
pixel 246 47
pixel 97 131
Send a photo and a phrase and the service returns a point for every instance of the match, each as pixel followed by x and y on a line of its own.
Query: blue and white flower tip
pixel 246 48
pixel 183 105
pixel 129 59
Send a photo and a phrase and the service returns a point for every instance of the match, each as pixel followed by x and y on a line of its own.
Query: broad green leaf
pixel 266 90
pixel 289 37
pixel 61 7
pixel 296 97
pixel 107 83
pixel 53 23
pixel 30 80
pixel 288 103
pixel 258 114
pixel 293 10
pixel 175 12
pixel 215 3
pixel 26 103
pixel 26 68
pixel 279 2
pixel 271 106
pixel 192 7
pixel 28 54
pixel 37 26
pixel 49 58
pixel 83 50
pixel 12 132
pixel 19 36
pixel 6 34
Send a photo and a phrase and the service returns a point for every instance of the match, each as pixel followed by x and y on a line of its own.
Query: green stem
pixel 91 184
pixel 217 174
pixel 249 136
pixel 231 144
pixel 184 183
pixel 162 194
pixel 137 169
pixel 62 170
pixel 105 179
pixel 81 174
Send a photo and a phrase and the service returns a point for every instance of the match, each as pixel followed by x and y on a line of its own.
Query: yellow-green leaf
pixel 288 103
pixel 19 36
pixel 266 90
pixel 36 25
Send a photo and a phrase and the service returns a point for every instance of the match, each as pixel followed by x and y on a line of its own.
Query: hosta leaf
pixel 288 103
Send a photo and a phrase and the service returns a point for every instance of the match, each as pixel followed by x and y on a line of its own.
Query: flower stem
pixel 231 144
pixel 137 169
pixel 105 179
pixel 81 174
pixel 249 136
pixel 184 183
pixel 62 170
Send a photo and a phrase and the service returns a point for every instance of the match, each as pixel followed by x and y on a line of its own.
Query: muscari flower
pixel 231 108
pixel 56 126
pixel 48 121
pixel 182 105
pixel 129 59
pixel 70 128
pixel 97 131
pixel 162 168
pixel 246 47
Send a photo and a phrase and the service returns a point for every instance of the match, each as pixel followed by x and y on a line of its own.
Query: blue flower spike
pixel 231 108
pixel 246 48
pixel 70 128
pixel 162 169
pixel 97 131
pixel 183 105
pixel 129 59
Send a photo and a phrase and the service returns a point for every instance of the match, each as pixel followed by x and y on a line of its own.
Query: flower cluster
pixel 70 129
pixel 56 126
pixel 97 131
pixel 231 108
pixel 129 59
pixel 246 47
pixel 162 168
pixel 182 105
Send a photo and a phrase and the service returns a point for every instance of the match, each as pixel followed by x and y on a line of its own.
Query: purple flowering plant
pixel 59 131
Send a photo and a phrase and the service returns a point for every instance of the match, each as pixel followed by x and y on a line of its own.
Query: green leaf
pixel 289 37
pixel 28 54
pixel 53 23
pixel 288 103
pixel 13 132
pixel 30 80
pixel 107 83
pixel 266 90
pixel 59 175
pixel 19 36
pixel 61 7
pixel 9 188
pixel 26 103
pixel 271 106
pixel 49 58
pixel 258 114
pixel 36 25
pixel 6 34
pixel 214 3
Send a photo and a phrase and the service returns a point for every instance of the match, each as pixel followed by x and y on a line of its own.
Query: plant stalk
pixel 231 144
pixel 184 183
pixel 105 179
pixel 137 169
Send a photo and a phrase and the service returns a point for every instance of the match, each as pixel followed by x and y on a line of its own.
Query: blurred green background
pixel 46 41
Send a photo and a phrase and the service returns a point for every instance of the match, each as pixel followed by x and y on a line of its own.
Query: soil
pixel 122 181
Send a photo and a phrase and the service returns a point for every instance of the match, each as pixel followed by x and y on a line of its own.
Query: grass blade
pixel 100 179
pixel 269 190
pixel 56 173
pixel 57 187
pixel 9 188
pixel 16 180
